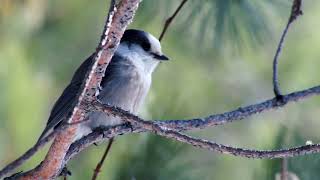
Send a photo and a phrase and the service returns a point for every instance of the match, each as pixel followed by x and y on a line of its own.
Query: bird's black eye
pixel 146 46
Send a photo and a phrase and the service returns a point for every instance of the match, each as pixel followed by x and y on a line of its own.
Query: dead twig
pixel 170 19
pixel 99 165
pixel 284 169
pixel 295 13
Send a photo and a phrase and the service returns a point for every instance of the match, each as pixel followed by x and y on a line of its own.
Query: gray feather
pixel 65 103
pixel 122 86
pixel 125 84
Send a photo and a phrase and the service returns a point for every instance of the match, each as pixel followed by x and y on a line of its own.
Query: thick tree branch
pixel 166 26
pixel 180 125
pixel 169 128
pixel 16 163
pixel 140 125
pixel 193 124
pixel 295 12
pixel 39 145
pixel 116 23
pixel 177 125
pixel 205 144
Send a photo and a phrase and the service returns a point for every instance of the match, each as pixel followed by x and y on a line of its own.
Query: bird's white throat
pixel 138 57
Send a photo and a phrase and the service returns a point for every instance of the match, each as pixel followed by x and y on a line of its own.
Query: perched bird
pixel 126 82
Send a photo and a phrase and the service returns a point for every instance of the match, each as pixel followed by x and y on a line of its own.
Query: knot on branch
pixel 280 100
pixel 296 10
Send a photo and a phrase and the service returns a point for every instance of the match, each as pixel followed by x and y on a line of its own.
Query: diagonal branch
pixel 219 119
pixel 183 125
pixel 205 144
pixel 170 128
pixel 28 154
pixel 117 21
pixel 166 26
pixel 224 149
pixel 39 145
pixel 295 13
pixel 241 112
pixel 140 125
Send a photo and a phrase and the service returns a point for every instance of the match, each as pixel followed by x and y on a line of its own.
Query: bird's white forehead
pixel 155 44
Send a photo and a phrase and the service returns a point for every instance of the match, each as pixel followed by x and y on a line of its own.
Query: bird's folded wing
pixel 64 105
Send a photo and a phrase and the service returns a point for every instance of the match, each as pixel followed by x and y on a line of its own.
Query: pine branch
pixel 116 23
pixel 171 128
pixel 223 118
pixel 140 125
pixel 177 125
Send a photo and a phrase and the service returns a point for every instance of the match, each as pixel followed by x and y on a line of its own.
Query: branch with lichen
pixel 170 128
pixel 116 23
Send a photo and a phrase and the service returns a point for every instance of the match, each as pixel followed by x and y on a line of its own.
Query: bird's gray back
pixel 122 86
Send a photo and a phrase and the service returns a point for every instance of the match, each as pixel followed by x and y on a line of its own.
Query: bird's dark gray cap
pixel 141 38
pixel 134 36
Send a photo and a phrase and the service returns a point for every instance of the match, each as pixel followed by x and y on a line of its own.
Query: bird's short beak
pixel 160 57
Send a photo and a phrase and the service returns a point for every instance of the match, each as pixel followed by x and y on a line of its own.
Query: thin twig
pixel 170 19
pixel 284 169
pixel 295 12
pixel 99 165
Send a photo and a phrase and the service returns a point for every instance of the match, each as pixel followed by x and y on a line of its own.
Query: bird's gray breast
pixel 124 86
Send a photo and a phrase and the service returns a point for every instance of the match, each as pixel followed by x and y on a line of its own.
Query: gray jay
pixel 126 82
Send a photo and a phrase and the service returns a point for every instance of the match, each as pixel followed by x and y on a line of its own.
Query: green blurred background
pixel 221 57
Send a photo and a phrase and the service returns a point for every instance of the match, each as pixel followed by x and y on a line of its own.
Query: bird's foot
pixel 65 172
pixel 128 124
